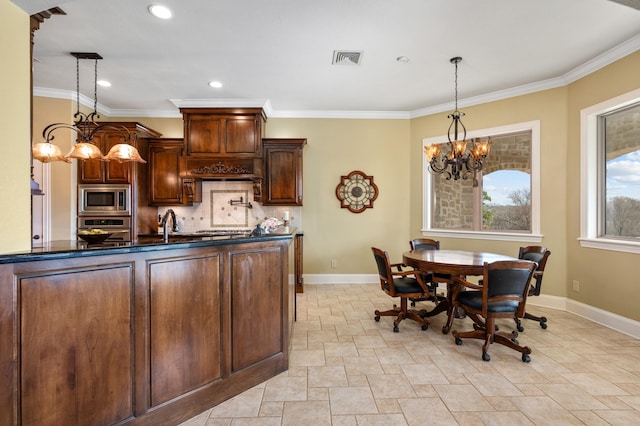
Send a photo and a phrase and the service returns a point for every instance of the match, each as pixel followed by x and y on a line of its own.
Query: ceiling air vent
pixel 346 57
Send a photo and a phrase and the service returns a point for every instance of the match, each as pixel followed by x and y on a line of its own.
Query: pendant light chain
pixel 95 88
pixel 456 85
pixel 77 86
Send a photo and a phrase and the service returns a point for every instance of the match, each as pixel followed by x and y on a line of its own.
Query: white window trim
pixel 535 235
pixel 589 175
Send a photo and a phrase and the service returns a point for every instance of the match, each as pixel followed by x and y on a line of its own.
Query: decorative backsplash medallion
pixel 223 214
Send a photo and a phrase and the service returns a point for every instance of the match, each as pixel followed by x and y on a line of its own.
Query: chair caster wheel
pixel 377 318
pixel 526 358
pixel 413 304
pixel 485 356
pixel 514 340
pixel 476 326
pixel 543 325
pixel 521 328
pixel 395 329
pixel 424 326
pixel 459 342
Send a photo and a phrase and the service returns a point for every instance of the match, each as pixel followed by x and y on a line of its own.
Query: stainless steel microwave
pixel 104 200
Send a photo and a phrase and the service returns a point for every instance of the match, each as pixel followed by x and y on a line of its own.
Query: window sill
pixel 612 245
pixel 495 236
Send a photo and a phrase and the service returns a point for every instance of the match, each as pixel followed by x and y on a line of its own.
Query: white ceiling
pixel 278 53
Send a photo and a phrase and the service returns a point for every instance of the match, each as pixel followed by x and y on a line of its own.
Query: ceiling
pixel 278 53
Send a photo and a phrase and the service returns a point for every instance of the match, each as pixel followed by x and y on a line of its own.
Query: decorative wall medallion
pixel 356 191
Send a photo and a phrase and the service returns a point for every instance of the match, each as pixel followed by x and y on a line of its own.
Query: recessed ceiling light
pixel 215 84
pixel 103 83
pixel 160 11
pixel 402 59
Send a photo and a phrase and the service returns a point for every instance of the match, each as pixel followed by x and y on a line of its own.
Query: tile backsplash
pixel 216 211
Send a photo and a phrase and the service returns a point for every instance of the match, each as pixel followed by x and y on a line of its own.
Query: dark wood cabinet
pixel 97 171
pixel 223 132
pixel 166 186
pixel 283 171
pixel 144 337
pixel 76 353
pixel 184 313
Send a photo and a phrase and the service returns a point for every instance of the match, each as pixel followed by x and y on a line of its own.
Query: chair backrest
pixel 384 270
pixel 539 255
pixel 507 281
pixel 424 244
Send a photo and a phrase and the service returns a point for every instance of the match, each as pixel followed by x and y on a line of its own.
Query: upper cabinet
pixel 223 132
pixel 97 171
pixel 283 171
pixel 166 186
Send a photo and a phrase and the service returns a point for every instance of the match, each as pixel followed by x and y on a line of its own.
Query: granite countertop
pixel 69 249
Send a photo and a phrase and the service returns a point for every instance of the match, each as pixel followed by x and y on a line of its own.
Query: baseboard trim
pixel 608 319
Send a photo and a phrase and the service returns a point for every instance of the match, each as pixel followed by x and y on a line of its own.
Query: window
pixel 619 132
pixel 501 202
pixel 610 174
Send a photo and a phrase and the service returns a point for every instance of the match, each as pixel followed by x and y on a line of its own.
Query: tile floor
pixel 347 369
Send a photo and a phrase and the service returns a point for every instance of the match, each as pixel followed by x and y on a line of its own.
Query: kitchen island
pixel 141 333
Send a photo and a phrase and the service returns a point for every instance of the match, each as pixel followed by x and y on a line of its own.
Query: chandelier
pixel 86 128
pixel 458 161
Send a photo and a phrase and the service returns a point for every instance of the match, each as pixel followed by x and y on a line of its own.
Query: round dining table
pixel 456 263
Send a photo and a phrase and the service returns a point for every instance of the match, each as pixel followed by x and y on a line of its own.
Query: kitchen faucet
pixel 165 224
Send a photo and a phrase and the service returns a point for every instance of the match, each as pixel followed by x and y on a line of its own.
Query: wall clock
pixel 356 192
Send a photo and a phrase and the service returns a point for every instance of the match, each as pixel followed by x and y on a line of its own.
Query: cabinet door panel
pixel 256 306
pixel 77 347
pixel 185 326
pixel 204 136
pixel 282 175
pixel 241 136
pixel 164 180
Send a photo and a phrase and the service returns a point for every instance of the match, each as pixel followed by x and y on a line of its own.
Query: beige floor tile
pixel 343 421
pixel 388 406
pixel 390 386
pixel 247 404
pixel 543 410
pixel 424 374
pixel 297 413
pixel 340 349
pixel 306 358
pixel 380 420
pixel 352 400
pixel 620 417
pixel 593 384
pixel 420 411
pixel 319 377
pixel 570 396
pixel 284 388
pixel 462 398
pixel 271 409
pixel 493 384
pixel 503 418
pixel 361 365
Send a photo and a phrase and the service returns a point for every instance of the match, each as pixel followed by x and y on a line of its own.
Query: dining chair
pixel 430 279
pixel 539 255
pixel 404 284
pixel 503 294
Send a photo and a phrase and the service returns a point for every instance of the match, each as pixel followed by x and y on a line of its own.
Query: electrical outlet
pixel 576 285
pixel 334 263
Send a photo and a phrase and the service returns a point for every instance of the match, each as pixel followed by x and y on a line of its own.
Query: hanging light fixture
pixel 458 161
pixel 86 128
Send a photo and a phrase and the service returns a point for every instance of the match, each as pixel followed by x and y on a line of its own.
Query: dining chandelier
pixel 86 128
pixel 459 160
